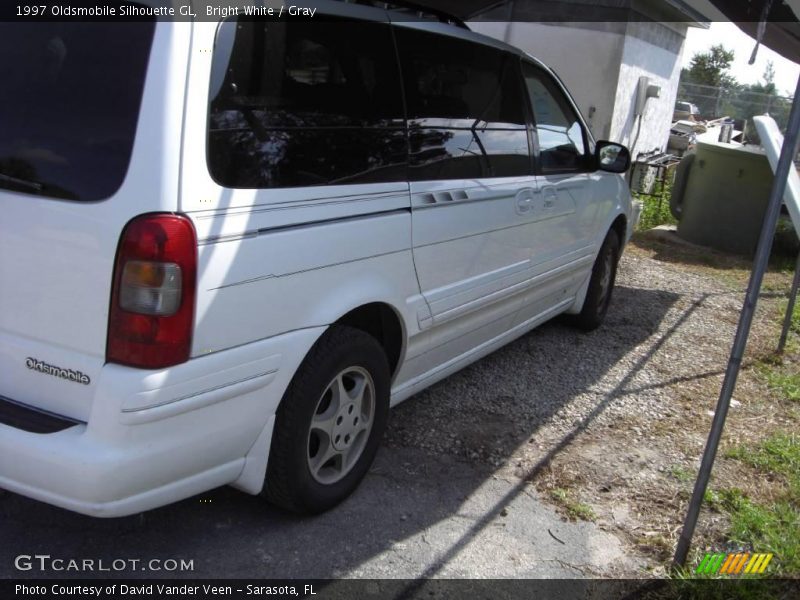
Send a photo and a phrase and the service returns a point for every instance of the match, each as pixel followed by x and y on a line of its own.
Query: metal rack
pixel 651 168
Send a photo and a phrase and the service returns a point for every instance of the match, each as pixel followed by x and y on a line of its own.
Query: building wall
pixel 652 50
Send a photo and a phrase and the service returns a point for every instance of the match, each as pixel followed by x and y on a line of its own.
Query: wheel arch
pixel 379 319
pixel 620 227
pixel 383 322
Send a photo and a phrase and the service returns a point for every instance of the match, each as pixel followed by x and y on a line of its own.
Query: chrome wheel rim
pixel 341 425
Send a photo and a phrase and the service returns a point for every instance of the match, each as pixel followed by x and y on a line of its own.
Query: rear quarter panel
pixel 57 256
pixel 278 260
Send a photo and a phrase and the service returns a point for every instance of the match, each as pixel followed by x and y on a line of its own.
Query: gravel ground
pixel 603 418
pixel 663 325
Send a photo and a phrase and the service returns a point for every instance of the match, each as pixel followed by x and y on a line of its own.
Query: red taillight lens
pixel 152 302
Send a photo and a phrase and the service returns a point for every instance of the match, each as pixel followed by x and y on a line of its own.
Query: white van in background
pixel 228 248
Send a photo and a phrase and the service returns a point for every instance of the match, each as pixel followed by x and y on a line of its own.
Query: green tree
pixel 760 98
pixel 711 68
pixel 767 85
pixel 708 82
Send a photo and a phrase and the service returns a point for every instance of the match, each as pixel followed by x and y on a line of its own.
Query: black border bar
pixel 401 589
pixel 562 11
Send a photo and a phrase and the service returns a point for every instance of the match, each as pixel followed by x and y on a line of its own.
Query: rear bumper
pixel 70 470
pixel 19 416
pixel 155 437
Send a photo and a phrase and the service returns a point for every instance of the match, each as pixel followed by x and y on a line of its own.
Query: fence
pixel 715 102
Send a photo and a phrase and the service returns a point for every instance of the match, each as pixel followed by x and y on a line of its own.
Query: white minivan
pixel 228 248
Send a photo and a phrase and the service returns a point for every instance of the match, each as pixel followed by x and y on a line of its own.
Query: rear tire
pixel 329 423
pixel 601 285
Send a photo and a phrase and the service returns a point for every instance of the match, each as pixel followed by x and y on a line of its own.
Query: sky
pixel 730 36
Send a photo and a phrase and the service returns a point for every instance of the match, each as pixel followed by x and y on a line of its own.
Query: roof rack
pixel 420 10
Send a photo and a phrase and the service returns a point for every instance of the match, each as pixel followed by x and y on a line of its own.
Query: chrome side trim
pixel 299 226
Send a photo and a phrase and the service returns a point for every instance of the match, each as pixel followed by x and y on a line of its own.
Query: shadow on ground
pixel 432 482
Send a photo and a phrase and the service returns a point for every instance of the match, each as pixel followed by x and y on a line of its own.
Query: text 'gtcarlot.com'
pixel 45 562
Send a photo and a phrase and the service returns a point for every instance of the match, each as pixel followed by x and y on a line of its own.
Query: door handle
pixel 524 202
pixel 550 198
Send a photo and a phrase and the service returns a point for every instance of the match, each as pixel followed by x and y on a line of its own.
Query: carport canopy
pixel 781 34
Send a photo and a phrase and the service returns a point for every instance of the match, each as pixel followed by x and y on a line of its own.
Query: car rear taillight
pixel 152 301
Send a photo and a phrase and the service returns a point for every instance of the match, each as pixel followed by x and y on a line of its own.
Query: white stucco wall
pixel 586 59
pixel 662 66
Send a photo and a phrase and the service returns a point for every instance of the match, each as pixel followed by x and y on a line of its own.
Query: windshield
pixel 69 104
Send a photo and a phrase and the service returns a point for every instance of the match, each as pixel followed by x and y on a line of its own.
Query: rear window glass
pixel 302 103
pixel 69 105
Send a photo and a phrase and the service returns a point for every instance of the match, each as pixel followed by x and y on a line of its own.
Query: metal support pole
pixel 768 227
pixel 787 322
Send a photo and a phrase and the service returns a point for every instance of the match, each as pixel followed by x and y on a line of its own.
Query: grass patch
pixel 784 381
pixel 576 511
pixel 766 526
pixel 655 207
pixel 655 211
pixel 795 323
pixel 774 528
pixel 713 500
pixel 777 455
pixel 681 473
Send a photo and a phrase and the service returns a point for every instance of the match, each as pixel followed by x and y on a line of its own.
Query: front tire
pixel 601 284
pixel 329 423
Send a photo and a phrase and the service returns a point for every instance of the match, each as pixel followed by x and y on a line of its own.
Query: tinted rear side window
pixel 69 105
pixel 465 108
pixel 299 103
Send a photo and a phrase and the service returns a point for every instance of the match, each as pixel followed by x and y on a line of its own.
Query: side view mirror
pixel 612 157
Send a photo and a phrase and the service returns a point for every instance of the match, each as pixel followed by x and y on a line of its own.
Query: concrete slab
pixel 416 515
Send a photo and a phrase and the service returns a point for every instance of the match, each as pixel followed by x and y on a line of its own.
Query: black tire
pixel 601 285
pixel 290 482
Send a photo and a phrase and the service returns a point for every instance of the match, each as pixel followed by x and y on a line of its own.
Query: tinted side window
pixel 468 154
pixel 465 107
pixel 296 103
pixel 459 81
pixel 70 95
pixel 562 145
